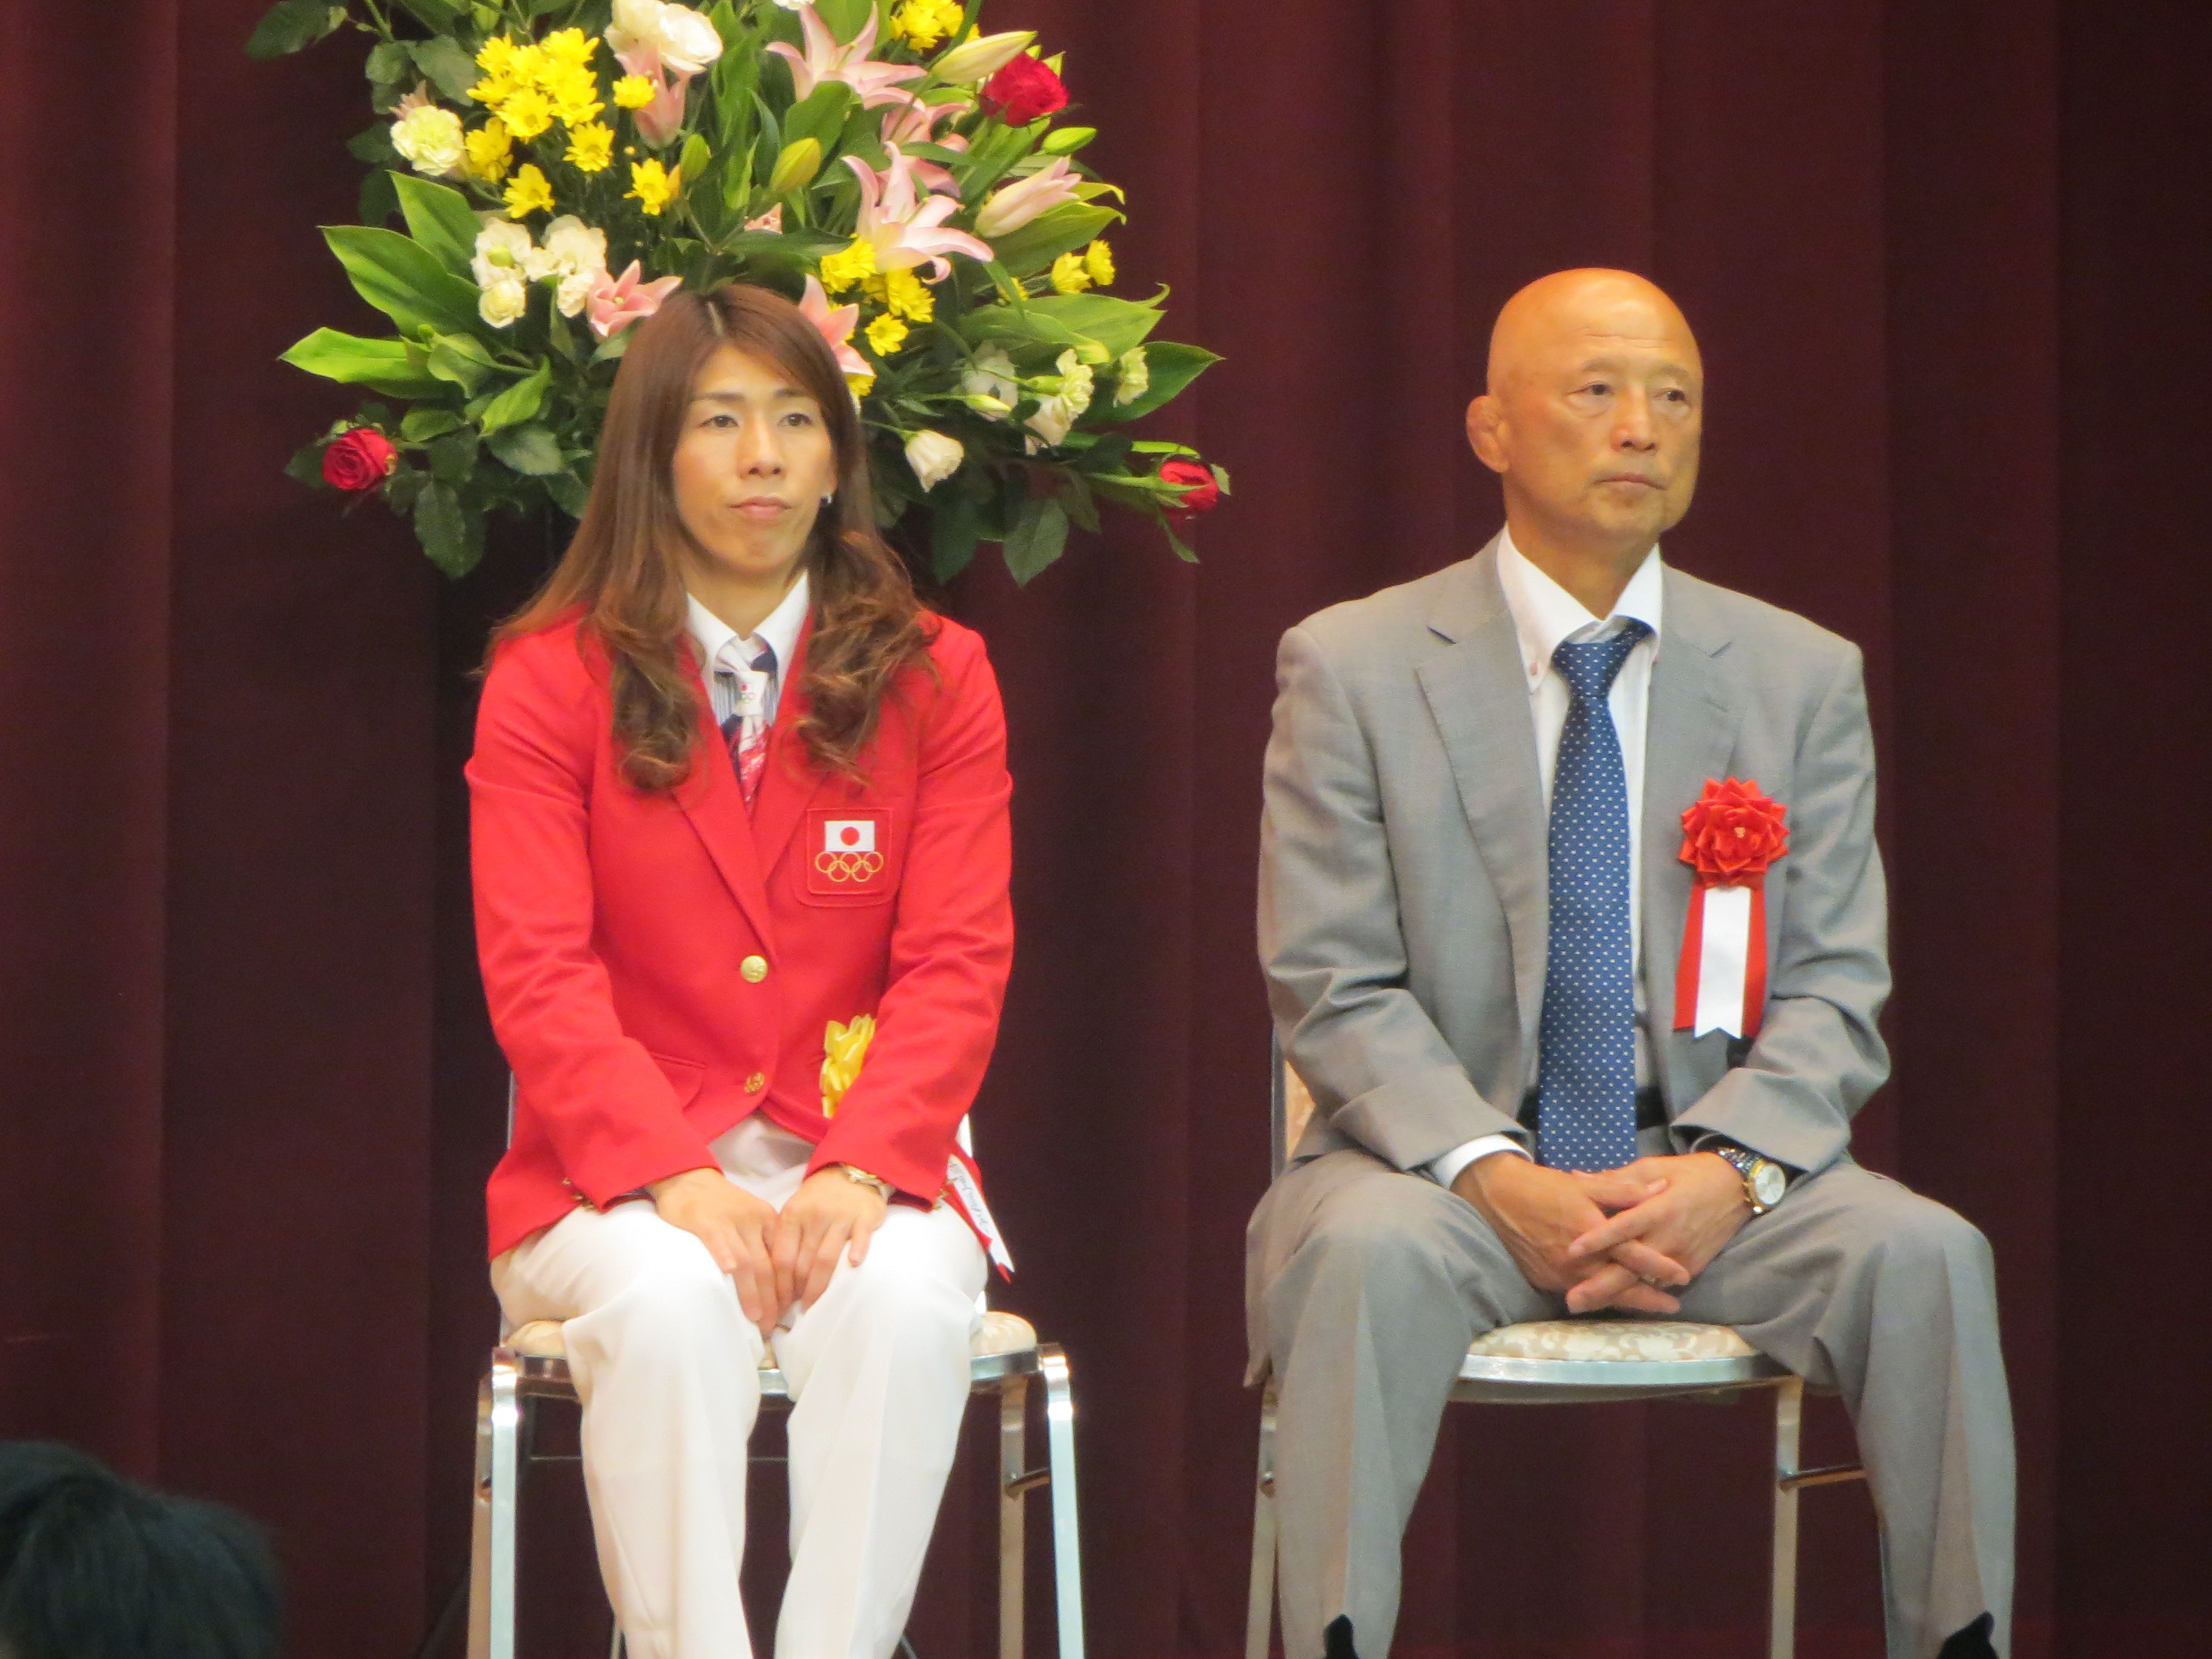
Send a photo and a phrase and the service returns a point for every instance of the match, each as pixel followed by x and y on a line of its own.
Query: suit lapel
pixel 1478 695
pixel 711 800
pixel 1690 726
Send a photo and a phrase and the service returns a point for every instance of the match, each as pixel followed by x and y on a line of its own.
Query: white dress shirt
pixel 1545 616
pixel 727 655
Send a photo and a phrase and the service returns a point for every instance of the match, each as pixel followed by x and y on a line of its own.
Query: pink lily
pixel 771 220
pixel 915 123
pixel 616 302
pixel 905 229
pixel 1011 208
pixel 835 325
pixel 659 121
pixel 825 60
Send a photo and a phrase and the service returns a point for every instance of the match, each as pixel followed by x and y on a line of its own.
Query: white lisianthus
pixel 685 40
pixel 934 457
pixel 503 253
pixel 430 138
pixel 1135 377
pixel 504 299
pixel 992 376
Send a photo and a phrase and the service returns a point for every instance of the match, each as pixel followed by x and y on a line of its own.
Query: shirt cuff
pixel 1446 1170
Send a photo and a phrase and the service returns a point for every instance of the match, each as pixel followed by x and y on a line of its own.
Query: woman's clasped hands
pixel 774 1258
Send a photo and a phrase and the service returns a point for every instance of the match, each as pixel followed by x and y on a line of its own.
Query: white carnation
pixel 503 250
pixel 1075 381
pixel 430 138
pixel 1054 416
pixel 1135 377
pixel 504 299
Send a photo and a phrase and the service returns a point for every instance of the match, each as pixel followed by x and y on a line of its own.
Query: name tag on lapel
pixel 849 853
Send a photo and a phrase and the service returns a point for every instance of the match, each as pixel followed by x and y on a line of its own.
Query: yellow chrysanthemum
pixel 1068 276
pixel 922 23
pixel 500 81
pixel 531 64
pixel 527 113
pixel 569 49
pixel 491 151
pixel 591 147
pixel 633 92
pixel 909 297
pixel 861 384
pixel 575 94
pixel 528 193
pixel 653 185
pixel 849 266
pixel 1098 260
pixel 886 334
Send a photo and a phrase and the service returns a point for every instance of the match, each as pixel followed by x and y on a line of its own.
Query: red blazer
pixel 660 965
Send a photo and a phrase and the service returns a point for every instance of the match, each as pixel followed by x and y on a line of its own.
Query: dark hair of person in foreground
pixel 93 1566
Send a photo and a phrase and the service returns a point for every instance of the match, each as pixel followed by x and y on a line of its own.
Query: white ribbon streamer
pixel 1724 960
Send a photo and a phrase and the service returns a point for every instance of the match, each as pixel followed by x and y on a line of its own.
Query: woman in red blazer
pixel 740 849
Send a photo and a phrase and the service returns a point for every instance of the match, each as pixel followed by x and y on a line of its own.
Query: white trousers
pixel 666 1365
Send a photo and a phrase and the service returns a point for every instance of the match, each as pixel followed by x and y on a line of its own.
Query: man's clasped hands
pixel 1619 1238
pixel 775 1257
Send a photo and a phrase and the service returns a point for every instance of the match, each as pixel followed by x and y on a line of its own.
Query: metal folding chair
pixel 529 1366
pixel 1564 1361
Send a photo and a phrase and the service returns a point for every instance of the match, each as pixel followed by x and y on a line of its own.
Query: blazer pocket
pixel 849 856
pixel 685 1076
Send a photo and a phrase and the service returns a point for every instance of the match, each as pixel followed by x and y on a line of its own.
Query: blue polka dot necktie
pixel 1586 1076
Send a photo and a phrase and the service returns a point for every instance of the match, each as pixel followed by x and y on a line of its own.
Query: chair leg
pixel 1782 1620
pixel 1066 1543
pixel 1013 1509
pixel 1260 1601
pixel 491 1571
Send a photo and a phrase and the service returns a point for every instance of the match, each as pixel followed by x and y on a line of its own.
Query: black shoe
pixel 1971 1642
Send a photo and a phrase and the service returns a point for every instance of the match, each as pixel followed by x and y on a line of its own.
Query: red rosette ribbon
pixel 1731 837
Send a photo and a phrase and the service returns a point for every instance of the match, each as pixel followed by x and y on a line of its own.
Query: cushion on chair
pixel 999 1333
pixel 1642 1341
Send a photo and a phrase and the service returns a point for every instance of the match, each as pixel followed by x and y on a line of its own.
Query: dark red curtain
pixel 1947 265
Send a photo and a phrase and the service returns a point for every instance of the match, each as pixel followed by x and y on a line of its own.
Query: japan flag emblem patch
pixel 847 858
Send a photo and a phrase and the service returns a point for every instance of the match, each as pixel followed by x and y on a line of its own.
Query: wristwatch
pixel 1764 1180
pixel 859 1177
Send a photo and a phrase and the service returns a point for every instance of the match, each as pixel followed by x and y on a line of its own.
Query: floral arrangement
pixel 562 167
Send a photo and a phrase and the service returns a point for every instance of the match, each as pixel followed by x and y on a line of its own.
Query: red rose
pixel 1200 497
pixel 360 460
pixel 1024 90
pixel 1733 834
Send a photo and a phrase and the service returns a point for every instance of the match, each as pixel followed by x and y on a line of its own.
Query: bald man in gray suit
pixel 1471 911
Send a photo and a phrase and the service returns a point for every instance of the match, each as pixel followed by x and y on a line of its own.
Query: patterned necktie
pixel 1586 1078
pixel 746 729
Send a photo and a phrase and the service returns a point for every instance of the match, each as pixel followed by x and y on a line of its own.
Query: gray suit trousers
pixel 1366 1284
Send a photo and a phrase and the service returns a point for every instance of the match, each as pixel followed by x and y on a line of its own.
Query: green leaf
pixel 306 466
pixel 820 116
pixel 421 425
pixel 376 204
pixel 1119 326
pixel 403 488
pixel 460 360
pixel 388 61
pixel 1182 549
pixel 1171 368
pixel 290 25
pixel 570 493
pixel 454 458
pixel 1038 537
pixel 436 15
pixel 372 146
pixel 439 218
pixel 438 526
pixel 539 7
pixel 528 449
pixel 611 349
pixel 1063 230
pixel 403 280
pixel 954 529
pixel 387 365
pixel 445 66
pixel 520 401
pixel 1075 501
pixel 846 18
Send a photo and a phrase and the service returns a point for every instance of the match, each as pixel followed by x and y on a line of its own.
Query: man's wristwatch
pixel 1764 1180
pixel 859 1177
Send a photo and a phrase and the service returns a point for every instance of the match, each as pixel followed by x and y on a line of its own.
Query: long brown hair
pixel 622 566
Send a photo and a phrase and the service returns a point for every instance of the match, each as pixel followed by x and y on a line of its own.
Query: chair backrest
pixel 1290 1107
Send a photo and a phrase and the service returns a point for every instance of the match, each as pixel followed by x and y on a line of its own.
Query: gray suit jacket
pixel 1403 904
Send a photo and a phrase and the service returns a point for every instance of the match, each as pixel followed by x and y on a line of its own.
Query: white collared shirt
pixel 1545 616
pixel 726 655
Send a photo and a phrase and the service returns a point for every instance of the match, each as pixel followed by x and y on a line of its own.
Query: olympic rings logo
pixel 849 867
